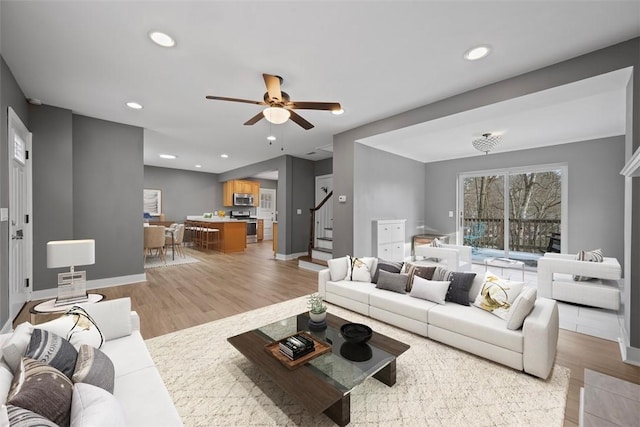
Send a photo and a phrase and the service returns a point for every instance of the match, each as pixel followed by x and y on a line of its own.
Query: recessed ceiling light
pixel 168 156
pixel 477 52
pixel 271 138
pixel 162 39
pixel 337 112
pixel 198 166
pixel 224 156
pixel 134 105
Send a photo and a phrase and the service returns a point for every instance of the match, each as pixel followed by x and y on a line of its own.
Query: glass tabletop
pixel 346 366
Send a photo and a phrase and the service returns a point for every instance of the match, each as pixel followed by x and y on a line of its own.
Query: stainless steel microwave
pixel 242 199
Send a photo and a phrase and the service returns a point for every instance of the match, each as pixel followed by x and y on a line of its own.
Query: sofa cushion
pixel 16 346
pixel 20 417
pixel 93 406
pixel 476 323
pixel 113 319
pixel 360 269
pixel 128 354
pixel 338 268
pixel 42 389
pixel 95 368
pixel 384 265
pixel 53 350
pixel 594 255
pixel 6 377
pixel 521 308
pixel 395 282
pixel 430 290
pixel 404 305
pixel 357 291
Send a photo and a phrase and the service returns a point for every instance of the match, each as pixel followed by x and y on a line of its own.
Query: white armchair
pixel 555 280
pixel 453 257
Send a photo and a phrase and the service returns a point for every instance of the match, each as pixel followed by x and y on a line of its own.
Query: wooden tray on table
pixel 320 348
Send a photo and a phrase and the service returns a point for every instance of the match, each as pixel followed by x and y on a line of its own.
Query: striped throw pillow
pixel 590 256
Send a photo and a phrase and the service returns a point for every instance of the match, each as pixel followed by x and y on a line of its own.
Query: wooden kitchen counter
pixel 233 233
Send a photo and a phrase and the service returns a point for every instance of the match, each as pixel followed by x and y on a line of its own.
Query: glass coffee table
pixel 324 383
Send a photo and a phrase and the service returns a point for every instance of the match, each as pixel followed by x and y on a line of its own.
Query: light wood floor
pixel 222 285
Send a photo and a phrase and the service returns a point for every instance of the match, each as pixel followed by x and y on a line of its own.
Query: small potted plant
pixel 317 308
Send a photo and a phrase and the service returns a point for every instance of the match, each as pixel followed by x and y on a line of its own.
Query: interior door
pixel 21 239
pixel 267 210
pixel 324 216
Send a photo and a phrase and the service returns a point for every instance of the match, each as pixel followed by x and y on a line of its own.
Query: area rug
pixel 154 261
pixel 212 384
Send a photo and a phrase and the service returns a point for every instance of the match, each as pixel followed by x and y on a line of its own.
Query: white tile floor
pixel 597 322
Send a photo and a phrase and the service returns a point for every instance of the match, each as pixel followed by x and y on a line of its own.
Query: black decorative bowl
pixel 356 332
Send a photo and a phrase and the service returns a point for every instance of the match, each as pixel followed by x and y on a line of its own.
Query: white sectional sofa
pixel 556 280
pixel 531 348
pixel 138 387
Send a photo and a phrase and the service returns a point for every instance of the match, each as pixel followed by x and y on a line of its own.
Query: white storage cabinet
pixel 387 238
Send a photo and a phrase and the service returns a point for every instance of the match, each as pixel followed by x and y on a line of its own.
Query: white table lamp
pixel 71 253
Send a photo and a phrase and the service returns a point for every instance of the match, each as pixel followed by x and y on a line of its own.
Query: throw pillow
pixel 112 320
pixel 95 407
pixel 589 256
pixel 16 346
pixel 359 269
pixel 521 308
pixel 460 284
pixel 42 389
pixel 20 417
pixel 413 270
pixel 6 377
pixel 390 266
pixel 53 350
pixel 396 282
pixel 497 295
pixel 338 268
pixel 95 368
pixel 431 290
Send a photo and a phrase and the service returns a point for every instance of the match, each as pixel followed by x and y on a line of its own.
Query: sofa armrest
pixel 323 277
pixel 135 321
pixel 540 331
pixel 609 268
pixel 449 255
pixel 464 252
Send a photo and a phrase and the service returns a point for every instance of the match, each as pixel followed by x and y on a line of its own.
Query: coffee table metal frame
pixel 314 389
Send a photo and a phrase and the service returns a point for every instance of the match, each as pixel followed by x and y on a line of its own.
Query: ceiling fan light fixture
pixel 487 142
pixel 271 138
pixel 134 105
pixel 338 111
pixel 276 115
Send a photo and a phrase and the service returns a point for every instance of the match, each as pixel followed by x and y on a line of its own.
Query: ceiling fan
pixel 279 105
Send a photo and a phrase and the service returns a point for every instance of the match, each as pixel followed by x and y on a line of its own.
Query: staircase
pixel 320 247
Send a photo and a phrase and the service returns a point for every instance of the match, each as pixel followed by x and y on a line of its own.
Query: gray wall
pixel 52 183
pixel 395 194
pixel 596 194
pixel 10 96
pixel 107 194
pixel 185 192
pixel 302 198
pixel 323 167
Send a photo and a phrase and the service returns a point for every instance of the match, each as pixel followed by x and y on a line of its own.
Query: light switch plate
pixel 342 199
pixel 4 214
pixel 450 214
pixel 299 211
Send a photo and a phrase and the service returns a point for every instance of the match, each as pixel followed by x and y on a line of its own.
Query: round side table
pixel 47 310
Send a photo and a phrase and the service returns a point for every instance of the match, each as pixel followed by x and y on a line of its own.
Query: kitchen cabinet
pixel 260 230
pixel 388 239
pixel 240 186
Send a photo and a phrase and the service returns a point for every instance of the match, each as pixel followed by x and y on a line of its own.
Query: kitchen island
pixel 233 232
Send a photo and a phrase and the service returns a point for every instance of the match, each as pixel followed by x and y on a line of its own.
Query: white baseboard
pixel 630 355
pixel 94 284
pixel 289 257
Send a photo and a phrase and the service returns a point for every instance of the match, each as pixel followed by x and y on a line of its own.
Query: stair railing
pixel 312 217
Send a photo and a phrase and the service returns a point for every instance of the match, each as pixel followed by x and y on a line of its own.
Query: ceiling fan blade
pixel 273 87
pixel 255 119
pixel 247 101
pixel 300 120
pixel 315 106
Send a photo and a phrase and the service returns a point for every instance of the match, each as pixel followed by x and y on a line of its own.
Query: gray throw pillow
pixel 53 350
pixel 460 284
pixel 395 282
pixel 95 368
pixel 390 266
pixel 20 417
pixel 590 256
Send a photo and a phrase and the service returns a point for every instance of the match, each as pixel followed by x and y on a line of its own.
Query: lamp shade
pixel 68 253
pixel 276 115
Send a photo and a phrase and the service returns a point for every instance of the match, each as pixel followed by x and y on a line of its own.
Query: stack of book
pixel 296 346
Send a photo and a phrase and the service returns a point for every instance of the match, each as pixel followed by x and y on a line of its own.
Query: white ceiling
pixel 376 58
